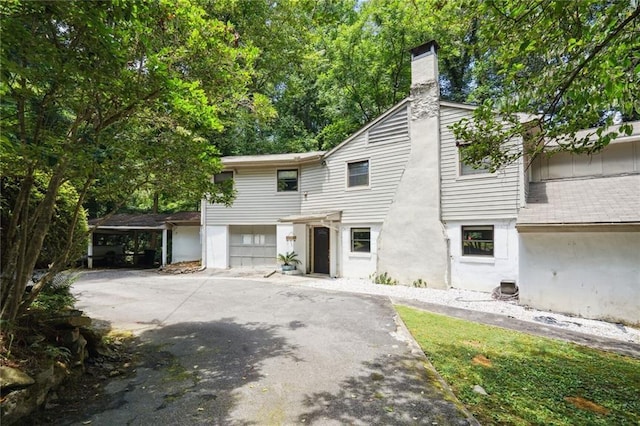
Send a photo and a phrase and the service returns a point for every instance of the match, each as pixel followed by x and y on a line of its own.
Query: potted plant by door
pixel 289 260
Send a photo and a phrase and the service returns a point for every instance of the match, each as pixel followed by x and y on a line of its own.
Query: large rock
pixel 69 319
pixel 20 403
pixel 12 379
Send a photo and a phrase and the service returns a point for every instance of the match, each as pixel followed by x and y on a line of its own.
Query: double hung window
pixel 361 240
pixel 358 174
pixel 287 180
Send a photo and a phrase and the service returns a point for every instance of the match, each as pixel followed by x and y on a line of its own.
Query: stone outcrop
pixel 23 393
pixel 22 401
pixel 12 379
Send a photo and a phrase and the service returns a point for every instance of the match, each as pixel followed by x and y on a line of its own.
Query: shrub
pixel 56 294
pixel 384 279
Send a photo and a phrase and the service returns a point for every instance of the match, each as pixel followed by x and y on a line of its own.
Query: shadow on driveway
pixel 385 394
pixel 190 373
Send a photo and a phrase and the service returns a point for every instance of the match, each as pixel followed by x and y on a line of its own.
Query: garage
pixel 252 245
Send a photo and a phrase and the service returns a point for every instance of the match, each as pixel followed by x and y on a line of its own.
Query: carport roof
pixel 144 221
pixel 600 203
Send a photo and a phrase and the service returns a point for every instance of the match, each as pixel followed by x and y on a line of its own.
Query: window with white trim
pixel 467 169
pixel 361 240
pixel 287 180
pixel 358 173
pixel 222 177
pixel 477 240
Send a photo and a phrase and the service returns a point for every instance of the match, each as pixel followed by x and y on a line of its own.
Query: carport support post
pixel 90 252
pixel 164 247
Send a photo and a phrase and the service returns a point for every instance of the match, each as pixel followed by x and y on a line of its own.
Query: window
pixel 287 180
pixel 467 169
pixel 477 240
pixel 254 239
pixel 222 177
pixel 361 240
pixel 358 173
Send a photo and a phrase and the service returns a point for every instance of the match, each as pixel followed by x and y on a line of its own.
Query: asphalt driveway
pixel 248 352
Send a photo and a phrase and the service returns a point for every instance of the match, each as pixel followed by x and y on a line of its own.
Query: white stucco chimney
pixel 424 63
pixel 412 244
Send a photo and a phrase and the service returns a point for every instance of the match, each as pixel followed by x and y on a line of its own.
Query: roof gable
pixel 369 126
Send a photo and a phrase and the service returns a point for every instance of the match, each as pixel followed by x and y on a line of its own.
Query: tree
pixel 64 215
pixel 108 97
pixel 367 63
pixel 551 68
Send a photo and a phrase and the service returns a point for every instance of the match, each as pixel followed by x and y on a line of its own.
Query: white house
pixel 395 198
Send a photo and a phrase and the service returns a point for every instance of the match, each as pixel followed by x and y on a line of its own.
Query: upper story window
pixel 477 240
pixel 467 169
pixel 361 240
pixel 358 173
pixel 222 177
pixel 287 180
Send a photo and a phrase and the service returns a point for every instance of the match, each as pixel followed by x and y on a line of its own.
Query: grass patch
pixel 530 380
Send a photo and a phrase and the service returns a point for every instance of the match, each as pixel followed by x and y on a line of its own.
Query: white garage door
pixel 252 245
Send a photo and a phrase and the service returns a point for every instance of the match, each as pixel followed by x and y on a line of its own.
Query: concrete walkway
pixel 216 350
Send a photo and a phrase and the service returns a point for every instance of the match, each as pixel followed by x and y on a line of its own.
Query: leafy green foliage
pixel 289 258
pixel 366 61
pixel 420 283
pixel 530 380
pixel 383 279
pixel 56 295
pixel 57 238
pixel 110 97
pixel 550 69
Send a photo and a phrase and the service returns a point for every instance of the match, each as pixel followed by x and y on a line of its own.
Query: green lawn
pixel 529 380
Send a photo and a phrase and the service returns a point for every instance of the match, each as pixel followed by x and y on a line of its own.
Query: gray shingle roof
pixel 601 200
pixel 145 220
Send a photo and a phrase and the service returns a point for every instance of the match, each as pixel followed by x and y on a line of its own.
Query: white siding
pixel 615 159
pixel 217 246
pixel 257 200
pixel 387 147
pixel 589 274
pixel 358 265
pixel 185 244
pixel 484 273
pixel 476 196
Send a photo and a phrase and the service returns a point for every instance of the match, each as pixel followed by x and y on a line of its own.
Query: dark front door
pixel 321 250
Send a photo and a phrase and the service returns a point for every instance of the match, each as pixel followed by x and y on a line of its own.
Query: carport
pixel 103 245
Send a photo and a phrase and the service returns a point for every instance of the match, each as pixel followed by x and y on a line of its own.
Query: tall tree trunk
pixel 27 245
pixel 61 261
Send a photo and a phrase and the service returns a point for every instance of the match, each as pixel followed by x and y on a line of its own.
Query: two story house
pixel 396 198
pixel 393 198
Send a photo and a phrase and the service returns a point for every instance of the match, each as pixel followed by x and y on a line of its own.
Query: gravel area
pixel 479 302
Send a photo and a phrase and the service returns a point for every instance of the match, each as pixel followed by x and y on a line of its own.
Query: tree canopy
pixel 551 68
pixel 109 97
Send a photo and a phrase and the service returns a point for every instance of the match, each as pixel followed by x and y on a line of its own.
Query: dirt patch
pixel 585 404
pixel 181 267
pixel 482 360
